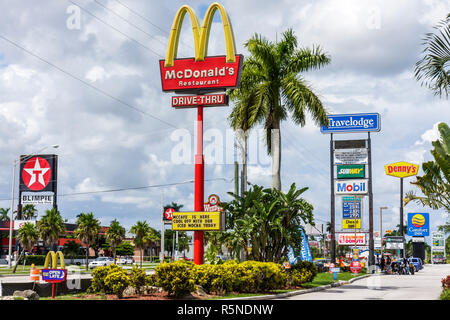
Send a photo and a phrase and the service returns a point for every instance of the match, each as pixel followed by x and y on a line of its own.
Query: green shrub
pixel 302 272
pixel 137 278
pixel 150 280
pixel 177 278
pixel 445 295
pixel 253 276
pixel 38 260
pixel 117 281
pixel 98 278
pixel 215 278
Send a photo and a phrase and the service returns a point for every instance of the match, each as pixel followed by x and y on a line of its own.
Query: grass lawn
pixel 78 296
pixel 325 278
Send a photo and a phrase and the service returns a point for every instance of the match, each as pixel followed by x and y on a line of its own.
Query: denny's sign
pixel 200 74
pixel 401 169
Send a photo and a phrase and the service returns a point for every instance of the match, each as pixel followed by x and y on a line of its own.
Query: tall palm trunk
pixel 244 164
pixel 275 140
pixel 17 262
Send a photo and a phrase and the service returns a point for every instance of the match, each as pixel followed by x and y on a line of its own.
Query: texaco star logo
pixel 36 173
pixel 168 213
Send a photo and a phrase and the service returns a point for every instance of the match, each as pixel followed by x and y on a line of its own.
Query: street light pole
pixel 381 229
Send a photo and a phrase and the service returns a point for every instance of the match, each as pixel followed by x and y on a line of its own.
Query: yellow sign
pixel 54 257
pixel 201 35
pixel 401 169
pixel 350 223
pixel 194 221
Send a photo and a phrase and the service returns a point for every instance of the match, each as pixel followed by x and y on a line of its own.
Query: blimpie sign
pixel 207 100
pixel 401 169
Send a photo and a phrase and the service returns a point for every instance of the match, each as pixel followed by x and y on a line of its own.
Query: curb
pixel 298 292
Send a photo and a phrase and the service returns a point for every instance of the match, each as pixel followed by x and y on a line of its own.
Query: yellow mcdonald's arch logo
pixel 54 257
pixel 201 35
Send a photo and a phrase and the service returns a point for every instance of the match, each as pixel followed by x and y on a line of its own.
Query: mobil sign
pixel 359 186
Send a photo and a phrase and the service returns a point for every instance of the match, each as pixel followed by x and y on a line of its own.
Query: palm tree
pixel 71 249
pixel 29 212
pixel 435 184
pixel 271 88
pixel 141 231
pixel 4 214
pixel 115 235
pixel 433 69
pixel 28 235
pixel 151 237
pixel 87 231
pixel 50 227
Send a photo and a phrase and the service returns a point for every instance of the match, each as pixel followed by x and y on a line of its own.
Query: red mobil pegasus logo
pixel 36 173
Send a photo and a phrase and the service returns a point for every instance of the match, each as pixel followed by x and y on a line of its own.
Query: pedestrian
pixel 406 264
pixel 388 265
pixel 382 264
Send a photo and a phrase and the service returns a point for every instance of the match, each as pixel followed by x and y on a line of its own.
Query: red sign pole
pixel 199 186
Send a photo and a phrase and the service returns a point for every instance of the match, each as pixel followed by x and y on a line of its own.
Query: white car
pixel 101 261
pixel 125 260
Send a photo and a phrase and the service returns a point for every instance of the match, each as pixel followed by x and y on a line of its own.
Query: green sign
pixel 349 171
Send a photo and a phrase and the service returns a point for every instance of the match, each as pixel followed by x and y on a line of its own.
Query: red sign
pixel 331 266
pixel 36 173
pixel 212 205
pixel 207 100
pixel 211 74
pixel 168 213
pixel 355 266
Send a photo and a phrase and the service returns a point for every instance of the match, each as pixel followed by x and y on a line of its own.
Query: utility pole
pixel 161 253
pixel 381 229
pixel 332 204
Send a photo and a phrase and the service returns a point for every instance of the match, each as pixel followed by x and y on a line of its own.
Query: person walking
pixel 382 261
pixel 406 264
pixel 388 265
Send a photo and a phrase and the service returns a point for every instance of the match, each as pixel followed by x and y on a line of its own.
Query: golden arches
pixel 54 258
pixel 201 35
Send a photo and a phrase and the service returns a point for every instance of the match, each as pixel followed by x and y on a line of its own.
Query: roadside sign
pixel 401 169
pixel 355 266
pixel 350 223
pixel 351 156
pixel 17 224
pixel 37 199
pixel 333 270
pixel 54 275
pixel 358 122
pixel 168 213
pixel 331 267
pixel 193 221
pixel 206 100
pixel 349 187
pixel 350 171
pixel 348 211
pixel 418 224
pixel 438 241
pixel 349 239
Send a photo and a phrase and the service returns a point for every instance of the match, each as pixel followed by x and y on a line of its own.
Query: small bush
pixel 445 295
pixel 137 279
pixel 38 260
pixel 253 276
pixel 302 272
pixel 117 282
pixel 215 278
pixel 445 283
pixel 150 280
pixel 176 277
pixel 98 278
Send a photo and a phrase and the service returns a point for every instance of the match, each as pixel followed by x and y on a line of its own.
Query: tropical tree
pixel 150 239
pixel 28 236
pixel 141 232
pixel 4 214
pixel 272 88
pixel 29 212
pixel 115 235
pixel 125 249
pixel 88 228
pixel 51 227
pixel 435 183
pixel 433 69
pixel 71 249
pixel 268 221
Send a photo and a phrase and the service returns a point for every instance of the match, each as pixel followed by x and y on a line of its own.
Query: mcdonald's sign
pixel 54 274
pixel 200 74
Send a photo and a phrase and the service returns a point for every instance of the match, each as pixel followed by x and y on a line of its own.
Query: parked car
pixel 439 259
pixel 322 264
pixel 417 263
pixel 101 261
pixel 126 260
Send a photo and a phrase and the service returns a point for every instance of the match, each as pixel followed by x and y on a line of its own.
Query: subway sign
pixel 345 187
pixel 350 171
pixel 358 122
pixel 198 221
pixel 401 169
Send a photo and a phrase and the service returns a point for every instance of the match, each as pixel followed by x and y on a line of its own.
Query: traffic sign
pixel 355 267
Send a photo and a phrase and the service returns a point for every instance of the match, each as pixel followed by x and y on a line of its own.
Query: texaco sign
pixel 38 173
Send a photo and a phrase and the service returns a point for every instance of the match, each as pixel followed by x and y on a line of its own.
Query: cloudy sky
pixel 84 74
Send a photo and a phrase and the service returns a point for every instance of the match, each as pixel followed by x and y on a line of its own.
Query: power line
pixel 117 30
pixel 127 21
pixel 86 83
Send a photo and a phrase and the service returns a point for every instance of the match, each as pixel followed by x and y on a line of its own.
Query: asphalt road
pixel 423 285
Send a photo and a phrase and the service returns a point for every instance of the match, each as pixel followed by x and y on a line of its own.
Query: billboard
pixel 350 171
pixel 358 122
pixel 418 224
pixel 351 156
pixel 437 241
pixel 346 239
pixel 38 173
pixel 401 169
pixel 348 187
pixel 194 221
